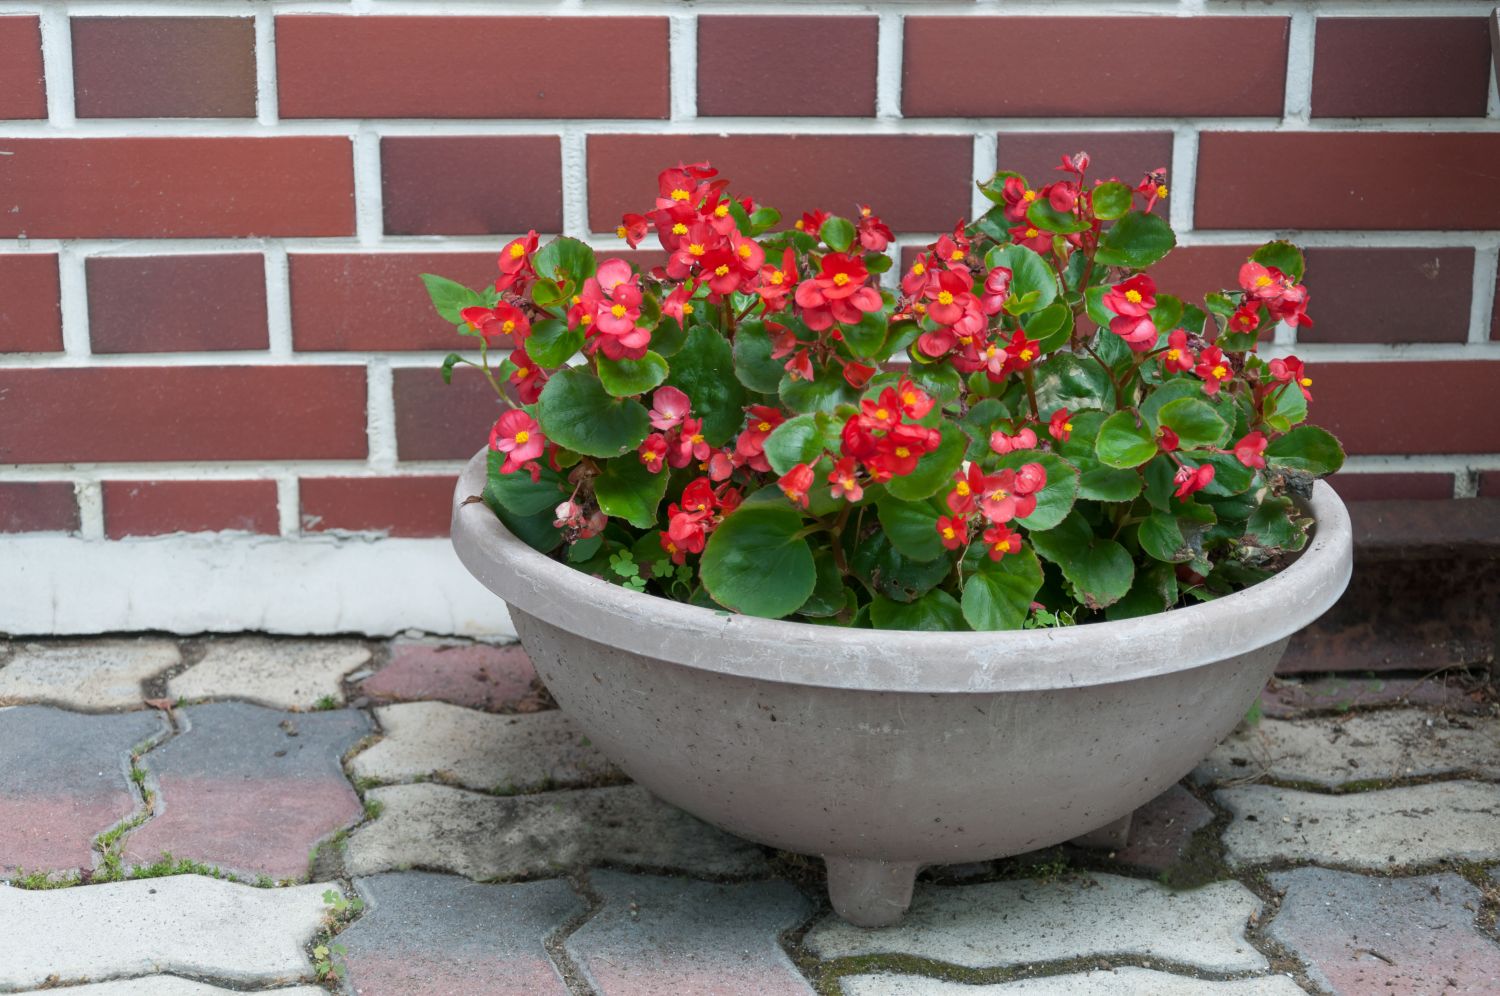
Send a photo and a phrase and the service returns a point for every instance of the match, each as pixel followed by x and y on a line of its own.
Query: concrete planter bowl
pixel 887 751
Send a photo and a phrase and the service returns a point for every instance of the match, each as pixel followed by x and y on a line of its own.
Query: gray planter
pixel 886 751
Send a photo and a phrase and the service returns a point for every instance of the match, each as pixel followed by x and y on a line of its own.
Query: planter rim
pixel 905 660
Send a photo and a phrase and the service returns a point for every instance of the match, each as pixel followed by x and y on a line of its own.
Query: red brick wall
pixel 211 226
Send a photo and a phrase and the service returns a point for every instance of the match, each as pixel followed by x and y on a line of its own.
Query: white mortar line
pixel 1182 179
pixel 72 280
pixel 278 302
pixel 1301 44
pixel 288 505
pixel 1422 463
pixel 57 65
pixel 985 164
pixel 1481 315
pixel 575 184
pixel 90 496
pixel 682 71
pixel 239 358
pixel 257 470
pixel 1493 106
pixel 1466 483
pixel 983 8
pixel 267 109
pixel 380 415
pixel 889 65
pixel 369 222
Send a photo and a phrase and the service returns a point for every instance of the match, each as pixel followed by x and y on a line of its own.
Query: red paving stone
pixel 1161 830
pixel 475 675
pixel 1288 699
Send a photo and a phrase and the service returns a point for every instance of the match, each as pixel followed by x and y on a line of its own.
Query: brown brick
pixel 1125 155
pixel 153 508
pixel 736 76
pixel 177 187
pixel 916 183
pixel 1430 406
pixel 23 91
pixel 1346 180
pixel 472 67
pixel 1382 487
pixel 471 185
pixel 38 507
pixel 1094 66
pixel 1189 272
pixel 164 67
pixel 437 421
pixel 1401 67
pixel 1389 295
pixel 377 300
pixel 163 304
pixel 182 413
pixel 395 506
pixel 30 317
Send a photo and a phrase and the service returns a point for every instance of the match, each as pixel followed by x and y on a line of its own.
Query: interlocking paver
pixel 1161 829
pixel 477 675
pixel 1394 743
pixel 1015 922
pixel 1116 982
pixel 64 778
pixel 671 935
pixel 432 935
pixel 93 675
pixel 1416 825
pixel 282 674
pixel 249 788
pixel 490 837
pixel 171 985
pixel 1361 934
pixel 1287 699
pixel 185 924
pixel 481 750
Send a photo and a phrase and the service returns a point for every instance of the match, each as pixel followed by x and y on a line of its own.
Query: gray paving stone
pixel 93 676
pixel 670 935
pixel 1362 934
pixel 424 933
pixel 481 750
pixel 1126 981
pixel 64 779
pixel 250 789
pixel 1378 830
pixel 170 985
pixel 283 674
pixel 490 837
pixel 186 924
pixel 1335 750
pixel 1015 922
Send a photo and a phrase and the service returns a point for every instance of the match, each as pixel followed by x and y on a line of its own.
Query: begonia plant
pixel 1017 428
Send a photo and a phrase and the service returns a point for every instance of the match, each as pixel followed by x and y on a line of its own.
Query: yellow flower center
pixel 517 251
pixel 697 437
pixel 963 489
pixel 1262 281
pixel 671 547
pixel 948 532
pixel 521 372
pixel 576 299
pixel 1029 196
pixel 882 414
pixel 522 436
pixel 1220 371
pixel 945 297
pixel 620 231
pixel 652 456
pixel 508 327
pixel 687 308
pixel 1067 427
pixel 965 339
pixel 1172 354
pixel 763 427
pixel 957 254
pixel 1133 296
pixel 721 210
pixel 586 320
pixel 680 195
pixel 798 225
pixel 679 229
pixel 1026 355
pixel 918 269
pixel 721 270
pixel 909 398
pixel 1161 190
pixel 919 308
pixel 999 494
pixel 696 248
pixel 1305 382
pixel 744 251
pixel 903 452
pixel 618 311
pixel 778 278
pixel 840 279
pixel 1031 233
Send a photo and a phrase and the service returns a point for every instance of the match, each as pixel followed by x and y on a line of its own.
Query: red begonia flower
pixel 1250 450
pixel 1189 480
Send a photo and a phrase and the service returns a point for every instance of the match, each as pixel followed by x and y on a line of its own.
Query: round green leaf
pixel 1043 215
pixel 1136 241
pixel 627 489
pixel 1101 569
pixel 703 369
pixel 565 261
pixel 1112 199
pixel 801 439
pixel 911 526
pixel 1051 326
pixel 866 337
pixel 627 378
pixel 1307 448
pixel 577 414
pixel 1123 442
pixel 826 391
pixel 752 359
pixel 1161 537
pixel 998 594
pixel 838 233
pixel 1097 482
pixel 1029 272
pixel 1196 423
pixel 552 343
pixel 937 611
pixel 756 562
pixel 829 596
pixel 1284 256
pixel 884 569
pixel 1167 392
pixel 450 298
pixel 1055 500
pixel 934 469
pixel 939 380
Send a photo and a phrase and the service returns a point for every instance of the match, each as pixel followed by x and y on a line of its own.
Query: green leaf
pixel 911 527
pixel 1112 199
pixel 577 413
pixel 450 299
pixel 886 571
pixel 1307 448
pixel 552 343
pixel 668 336
pixel 1284 256
pixel 1161 537
pixel 449 361
pixel 1230 476
pixel 1273 525
pixel 1196 423
pixel 524 507
pixel 1051 326
pixel 1136 241
pixel 998 593
pixel 756 562
pixel 1187 387
pixel 1029 272
pixel 934 469
pixel 829 595
pixel 801 439
pixel 1167 314
pixel 826 391
pixel 1101 569
pixel 937 611
pixel 567 262
pixel 1044 216
pixel 626 378
pixel 752 359
pixel 1154 590
pixel 1056 499
pixel 1097 482
pixel 1291 408
pixel 628 490
pixel 1072 382
pixel 1220 304
pixel 763 219
pixel 703 369
pixel 1124 441
pixel 866 338
pixel 939 380
pixel 838 233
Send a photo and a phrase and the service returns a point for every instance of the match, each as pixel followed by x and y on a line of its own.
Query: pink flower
pixel 1058 426
pixel 1178 356
pixel 1023 440
pixel 1250 451
pixel 517 435
pixel 795 484
pixel 669 406
pixel 844 481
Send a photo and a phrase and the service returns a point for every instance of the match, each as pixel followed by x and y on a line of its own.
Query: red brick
pixel 1094 66
pixel 1401 67
pixel 437 421
pixel 472 67
pixel 145 304
pixel 916 183
pixel 736 77
pixel 377 300
pixel 395 506
pixel 1189 272
pixel 153 508
pixel 1345 180
pixel 1431 406
pixel 1128 155
pixel 177 187
pixel 164 67
pixel 1378 487
pixel 23 91
pixel 30 317
pixel 1389 295
pixel 38 506
pixel 1489 484
pixel 182 413
pixel 471 185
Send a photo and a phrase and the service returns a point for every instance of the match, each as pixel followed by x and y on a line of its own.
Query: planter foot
pixel 870 893
pixel 1111 836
